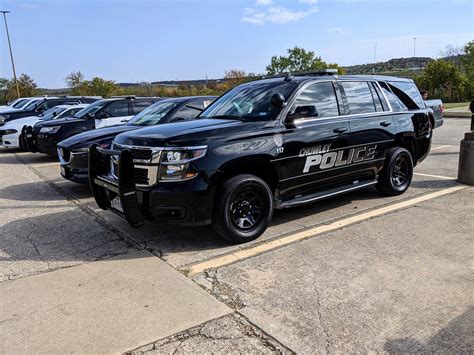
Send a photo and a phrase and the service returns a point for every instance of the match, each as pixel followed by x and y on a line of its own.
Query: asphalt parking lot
pixel 357 273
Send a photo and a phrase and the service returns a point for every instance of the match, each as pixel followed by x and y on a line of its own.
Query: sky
pixel 154 40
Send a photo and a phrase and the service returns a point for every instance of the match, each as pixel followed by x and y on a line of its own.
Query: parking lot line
pixel 45 164
pixel 436 176
pixel 220 261
pixel 440 147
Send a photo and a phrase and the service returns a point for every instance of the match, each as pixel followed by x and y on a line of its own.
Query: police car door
pixel 372 126
pixel 316 134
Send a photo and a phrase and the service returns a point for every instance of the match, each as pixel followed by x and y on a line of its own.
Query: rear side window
pixel 394 101
pixel 410 90
pixel 359 97
pixel 321 95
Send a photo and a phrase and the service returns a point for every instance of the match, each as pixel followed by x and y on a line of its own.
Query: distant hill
pixel 403 67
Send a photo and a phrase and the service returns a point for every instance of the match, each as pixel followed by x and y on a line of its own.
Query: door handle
pixel 385 123
pixel 340 130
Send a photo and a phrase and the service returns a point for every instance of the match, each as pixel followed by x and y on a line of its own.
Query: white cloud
pixel 276 15
pixel 263 2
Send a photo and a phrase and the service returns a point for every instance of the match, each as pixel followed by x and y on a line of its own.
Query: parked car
pixel 35 108
pixel 437 115
pixel 268 144
pixel 11 131
pixel 73 152
pixel 19 104
pixel 44 136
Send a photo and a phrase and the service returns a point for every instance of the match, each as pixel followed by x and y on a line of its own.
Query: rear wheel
pixel 243 209
pixel 396 176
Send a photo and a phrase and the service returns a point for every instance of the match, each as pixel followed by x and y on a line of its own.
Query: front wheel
pixel 243 209
pixel 397 173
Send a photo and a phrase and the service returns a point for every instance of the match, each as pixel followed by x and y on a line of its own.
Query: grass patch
pixel 456 104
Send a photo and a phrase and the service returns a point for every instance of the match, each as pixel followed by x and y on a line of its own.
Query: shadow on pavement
pixel 456 338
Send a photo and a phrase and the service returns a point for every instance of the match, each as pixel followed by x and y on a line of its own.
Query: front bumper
pixel 185 203
pixel 10 140
pixel 74 165
pixel 45 143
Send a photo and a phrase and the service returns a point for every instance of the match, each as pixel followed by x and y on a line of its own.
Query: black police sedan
pixel 44 136
pixel 73 152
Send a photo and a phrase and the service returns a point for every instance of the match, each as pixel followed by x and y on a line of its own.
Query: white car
pixel 22 102
pixel 10 132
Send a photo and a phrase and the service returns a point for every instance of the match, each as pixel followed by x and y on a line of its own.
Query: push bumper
pixel 74 166
pixel 185 203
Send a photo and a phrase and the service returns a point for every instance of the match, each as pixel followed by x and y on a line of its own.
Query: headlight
pixel 175 163
pixel 9 131
pixel 2 120
pixel 53 129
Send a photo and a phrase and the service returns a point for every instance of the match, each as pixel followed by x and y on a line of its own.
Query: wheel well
pixel 408 143
pixel 259 166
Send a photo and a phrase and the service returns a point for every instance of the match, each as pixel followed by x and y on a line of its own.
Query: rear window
pixel 359 97
pixel 410 90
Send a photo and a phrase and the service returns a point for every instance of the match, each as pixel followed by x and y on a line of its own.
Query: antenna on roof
pixel 288 77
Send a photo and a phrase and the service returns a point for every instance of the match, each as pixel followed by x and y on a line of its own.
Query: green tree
pixel 297 60
pixel 26 85
pixel 442 79
pixel 468 64
pixel 95 86
pixel 74 80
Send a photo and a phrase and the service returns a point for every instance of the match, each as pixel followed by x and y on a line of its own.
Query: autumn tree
pixel 26 86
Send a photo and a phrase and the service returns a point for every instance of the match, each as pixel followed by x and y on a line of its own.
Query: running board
pixel 324 194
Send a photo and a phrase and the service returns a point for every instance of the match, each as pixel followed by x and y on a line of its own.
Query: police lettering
pixel 320 156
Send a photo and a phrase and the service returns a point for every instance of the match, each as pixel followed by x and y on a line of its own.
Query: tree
pixel 468 65
pixel 26 85
pixel 297 60
pixel 74 79
pixel 443 79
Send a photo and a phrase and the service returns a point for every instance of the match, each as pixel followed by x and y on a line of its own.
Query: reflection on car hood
pixel 86 139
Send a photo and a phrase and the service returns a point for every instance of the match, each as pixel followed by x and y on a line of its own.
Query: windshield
pixel 91 109
pixel 153 114
pixel 32 105
pixel 250 101
pixel 52 113
pixel 19 103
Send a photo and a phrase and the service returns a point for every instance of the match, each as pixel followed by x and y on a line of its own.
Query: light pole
pixel 11 53
pixel 414 51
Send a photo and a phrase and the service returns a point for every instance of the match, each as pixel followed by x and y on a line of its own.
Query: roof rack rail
pixel 123 97
pixel 289 75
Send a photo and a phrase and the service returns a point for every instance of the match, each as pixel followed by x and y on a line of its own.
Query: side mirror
pixel 304 112
pixel 278 101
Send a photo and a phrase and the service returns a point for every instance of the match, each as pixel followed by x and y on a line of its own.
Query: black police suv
pixel 74 152
pixel 44 136
pixel 39 106
pixel 273 143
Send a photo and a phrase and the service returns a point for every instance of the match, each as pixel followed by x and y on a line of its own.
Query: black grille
pixel 141 154
pixel 140 175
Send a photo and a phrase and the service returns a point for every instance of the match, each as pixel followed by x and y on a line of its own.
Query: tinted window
pixel 189 111
pixel 139 106
pixel 396 104
pixel 378 93
pixel 375 98
pixel 116 109
pixel 153 114
pixel 409 89
pixel 19 103
pixel 359 97
pixel 321 95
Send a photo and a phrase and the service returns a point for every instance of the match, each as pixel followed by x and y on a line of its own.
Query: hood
pixel 179 133
pixel 86 139
pixel 24 121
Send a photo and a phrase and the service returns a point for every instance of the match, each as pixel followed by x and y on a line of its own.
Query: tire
pixel 397 173
pixel 243 209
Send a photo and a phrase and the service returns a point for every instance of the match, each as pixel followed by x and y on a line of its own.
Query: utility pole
pixel 414 52
pixel 375 55
pixel 11 53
